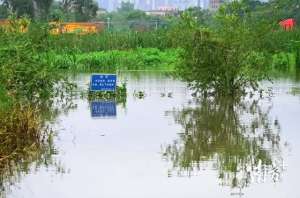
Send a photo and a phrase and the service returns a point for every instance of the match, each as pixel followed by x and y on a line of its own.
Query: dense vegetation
pixel 226 52
pixel 107 40
pixel 30 97
pixel 236 52
pixel 137 59
pixel 223 54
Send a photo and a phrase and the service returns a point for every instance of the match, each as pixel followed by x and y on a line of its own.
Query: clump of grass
pixel 20 129
pixel 138 59
pixel 104 41
pixel 119 95
pixel 25 141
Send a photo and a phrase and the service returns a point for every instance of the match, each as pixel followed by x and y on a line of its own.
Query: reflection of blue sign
pixel 103 82
pixel 103 109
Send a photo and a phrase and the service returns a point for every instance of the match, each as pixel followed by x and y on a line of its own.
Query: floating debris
pixel 139 94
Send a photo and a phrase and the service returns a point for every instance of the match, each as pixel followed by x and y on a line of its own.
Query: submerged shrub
pixel 26 71
pixel 212 65
pixel 227 59
pixel 26 142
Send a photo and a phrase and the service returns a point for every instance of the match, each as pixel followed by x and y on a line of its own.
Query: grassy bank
pixel 110 41
pixel 135 59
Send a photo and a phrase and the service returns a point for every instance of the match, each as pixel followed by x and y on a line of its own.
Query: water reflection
pixel 236 138
pixel 103 109
pixel 27 140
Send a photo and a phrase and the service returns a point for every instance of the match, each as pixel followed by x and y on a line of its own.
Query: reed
pixel 110 41
pixel 137 59
pixel 26 143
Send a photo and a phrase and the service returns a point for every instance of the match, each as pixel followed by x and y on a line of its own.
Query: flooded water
pixel 163 143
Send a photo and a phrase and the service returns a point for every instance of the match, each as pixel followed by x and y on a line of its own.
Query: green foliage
pixel 295 45
pixel 141 58
pixel 126 7
pixel 227 60
pixel 26 72
pixel 85 10
pixel 281 61
pixel 20 7
pixel 200 16
pixel 43 8
pixel 4 12
pixel 5 100
pixel 119 96
pixel 286 9
pixel 69 10
pixel 110 41
pixel 213 65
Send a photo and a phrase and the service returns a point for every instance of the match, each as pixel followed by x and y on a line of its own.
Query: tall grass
pixel 25 141
pixel 29 82
pixel 110 41
pixel 137 59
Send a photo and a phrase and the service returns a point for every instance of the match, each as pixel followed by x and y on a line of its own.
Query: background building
pixel 148 5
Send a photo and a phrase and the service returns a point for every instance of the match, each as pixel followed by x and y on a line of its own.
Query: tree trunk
pixel 36 12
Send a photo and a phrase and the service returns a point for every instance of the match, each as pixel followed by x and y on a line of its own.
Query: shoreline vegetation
pixel 220 54
pixel 113 60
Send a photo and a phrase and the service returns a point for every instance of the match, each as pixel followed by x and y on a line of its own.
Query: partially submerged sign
pixel 102 109
pixel 103 82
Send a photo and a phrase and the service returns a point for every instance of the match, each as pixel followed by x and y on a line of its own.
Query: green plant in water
pixel 26 72
pixel 28 81
pixel 226 60
pixel 26 143
pixel 120 95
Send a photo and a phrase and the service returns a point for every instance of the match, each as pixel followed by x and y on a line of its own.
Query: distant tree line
pixel 89 10
pixel 45 10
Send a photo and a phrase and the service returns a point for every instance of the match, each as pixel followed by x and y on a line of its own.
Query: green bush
pixel 27 73
pixel 105 41
pixel 145 59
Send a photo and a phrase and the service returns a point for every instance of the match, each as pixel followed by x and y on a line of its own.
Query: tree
pixel 253 4
pixel 38 9
pixel 286 9
pixel 84 10
pixel 4 12
pixel 203 17
pixel 66 5
pixel 226 60
pixel 42 8
pixel 56 12
pixel 20 7
pixel 126 7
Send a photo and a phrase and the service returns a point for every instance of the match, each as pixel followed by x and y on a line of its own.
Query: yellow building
pixel 76 27
pixel 18 25
pixel 57 27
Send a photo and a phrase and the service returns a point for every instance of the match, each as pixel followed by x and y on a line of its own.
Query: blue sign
pixel 103 109
pixel 103 82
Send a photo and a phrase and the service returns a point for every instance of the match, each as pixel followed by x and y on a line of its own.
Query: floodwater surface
pixel 161 142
